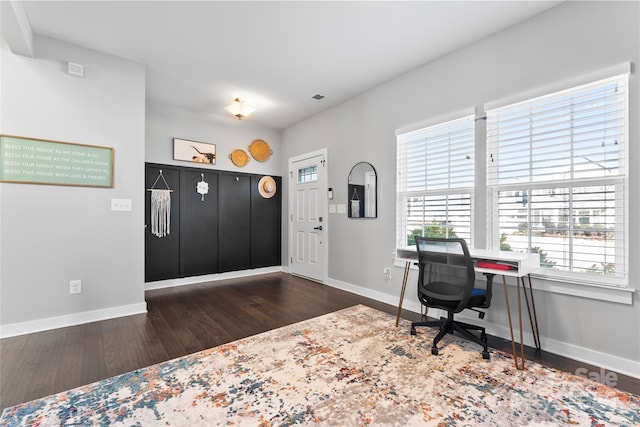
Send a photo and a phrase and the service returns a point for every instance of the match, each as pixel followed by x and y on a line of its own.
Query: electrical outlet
pixel 387 273
pixel 75 286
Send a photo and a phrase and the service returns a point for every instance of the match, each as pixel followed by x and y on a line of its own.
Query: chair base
pixel 448 326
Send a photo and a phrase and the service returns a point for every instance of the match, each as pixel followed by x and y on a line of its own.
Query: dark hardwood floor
pixel 183 320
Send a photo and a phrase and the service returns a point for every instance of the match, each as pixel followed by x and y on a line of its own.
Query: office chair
pixel 446 281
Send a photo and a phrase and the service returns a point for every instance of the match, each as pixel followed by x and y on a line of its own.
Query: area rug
pixel 349 368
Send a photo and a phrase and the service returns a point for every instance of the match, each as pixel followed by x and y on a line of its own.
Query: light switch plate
pixel 121 205
pixel 75 287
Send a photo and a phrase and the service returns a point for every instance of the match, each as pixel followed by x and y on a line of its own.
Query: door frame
pixel 324 209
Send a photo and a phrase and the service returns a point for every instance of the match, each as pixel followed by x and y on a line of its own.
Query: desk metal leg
pixel 404 286
pixel 532 319
pixel 520 322
pixel 513 342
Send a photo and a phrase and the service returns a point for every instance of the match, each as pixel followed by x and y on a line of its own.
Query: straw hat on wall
pixel 267 187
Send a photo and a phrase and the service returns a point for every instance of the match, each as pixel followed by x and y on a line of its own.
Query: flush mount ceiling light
pixel 239 109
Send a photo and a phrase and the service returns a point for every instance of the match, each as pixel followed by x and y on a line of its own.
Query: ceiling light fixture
pixel 239 109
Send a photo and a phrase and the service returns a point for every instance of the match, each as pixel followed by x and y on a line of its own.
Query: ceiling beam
pixel 16 29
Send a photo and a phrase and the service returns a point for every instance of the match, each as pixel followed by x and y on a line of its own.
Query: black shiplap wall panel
pixel 198 224
pixel 266 218
pixel 162 254
pixel 234 228
pixel 235 222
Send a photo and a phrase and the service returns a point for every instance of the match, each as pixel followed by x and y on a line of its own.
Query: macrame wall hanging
pixel 160 208
pixel 355 204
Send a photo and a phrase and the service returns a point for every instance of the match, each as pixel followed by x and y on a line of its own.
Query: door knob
pixel 318 228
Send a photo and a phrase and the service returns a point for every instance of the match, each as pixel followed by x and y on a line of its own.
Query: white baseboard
pixel 378 296
pixel 593 357
pixel 581 354
pixel 160 284
pixel 22 328
pixel 39 325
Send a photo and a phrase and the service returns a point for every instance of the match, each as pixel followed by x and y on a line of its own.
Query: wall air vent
pixel 75 69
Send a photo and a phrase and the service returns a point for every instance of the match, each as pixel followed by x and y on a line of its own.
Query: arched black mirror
pixel 362 191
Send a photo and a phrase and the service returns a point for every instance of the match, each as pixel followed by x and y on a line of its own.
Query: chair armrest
pixel 489 277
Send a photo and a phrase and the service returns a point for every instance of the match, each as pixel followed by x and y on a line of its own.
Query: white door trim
pixel 324 209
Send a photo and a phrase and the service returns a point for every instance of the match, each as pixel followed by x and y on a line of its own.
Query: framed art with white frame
pixel 192 151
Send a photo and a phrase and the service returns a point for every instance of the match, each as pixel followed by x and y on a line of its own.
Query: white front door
pixel 307 215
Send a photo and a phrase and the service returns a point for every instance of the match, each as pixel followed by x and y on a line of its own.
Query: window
pixel 435 181
pixel 557 175
pixel 308 174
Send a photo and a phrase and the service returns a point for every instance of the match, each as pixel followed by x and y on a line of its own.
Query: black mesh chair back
pixel 446 275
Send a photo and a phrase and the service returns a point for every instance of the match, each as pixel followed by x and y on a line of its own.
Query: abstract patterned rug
pixel 349 368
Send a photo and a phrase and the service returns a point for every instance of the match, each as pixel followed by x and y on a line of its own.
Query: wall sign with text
pixel 39 161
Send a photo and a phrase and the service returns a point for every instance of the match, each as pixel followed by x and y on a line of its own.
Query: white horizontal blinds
pixel 435 181
pixel 573 228
pixel 557 166
pixel 437 157
pixel 445 215
pixel 571 134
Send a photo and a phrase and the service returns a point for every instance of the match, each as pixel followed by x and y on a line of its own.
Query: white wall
pixel 54 234
pixel 571 39
pixel 51 234
pixel 165 122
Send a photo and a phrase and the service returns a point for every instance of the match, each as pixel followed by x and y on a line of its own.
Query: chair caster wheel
pixel 486 355
pixel 413 332
pixel 434 351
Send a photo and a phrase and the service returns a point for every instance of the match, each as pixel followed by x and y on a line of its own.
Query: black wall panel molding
pixel 162 255
pixel 198 224
pixel 266 235
pixel 235 222
pixel 231 228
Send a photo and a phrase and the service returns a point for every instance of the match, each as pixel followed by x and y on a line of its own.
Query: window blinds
pixel 557 167
pixel 574 134
pixel 438 157
pixel 435 181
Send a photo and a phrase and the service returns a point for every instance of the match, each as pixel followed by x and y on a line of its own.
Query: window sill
pixel 557 285
pixel 562 286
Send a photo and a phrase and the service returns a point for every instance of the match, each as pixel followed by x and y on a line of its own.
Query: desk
pixel 521 265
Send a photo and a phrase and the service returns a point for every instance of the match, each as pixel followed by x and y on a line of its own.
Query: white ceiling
pixel 200 55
